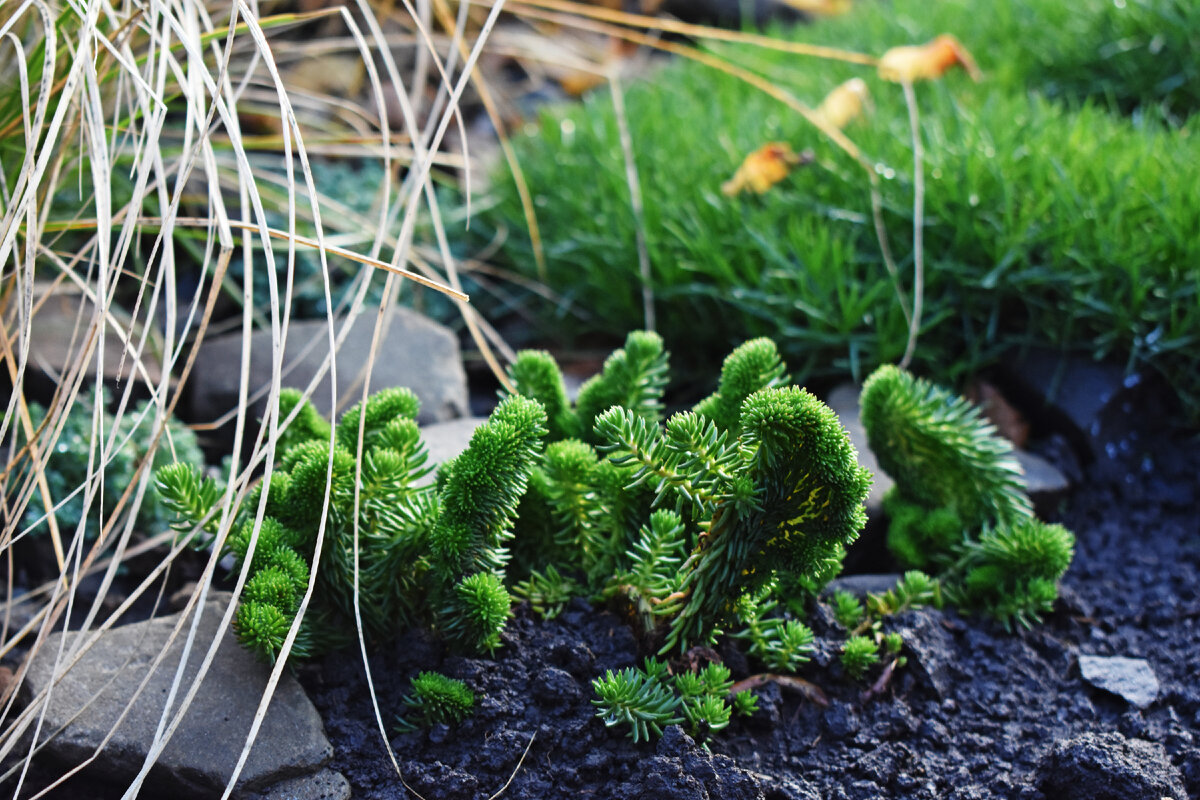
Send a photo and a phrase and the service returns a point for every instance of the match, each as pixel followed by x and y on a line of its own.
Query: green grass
pixel 1046 222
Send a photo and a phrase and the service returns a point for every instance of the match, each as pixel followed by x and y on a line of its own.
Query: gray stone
pixel 416 352
pixel 1095 403
pixel 1044 484
pixel 1130 678
pixel 324 785
pixel 1107 766
pixel 844 402
pixel 58 338
pixel 445 440
pixel 860 585
pixel 199 759
pixel 930 648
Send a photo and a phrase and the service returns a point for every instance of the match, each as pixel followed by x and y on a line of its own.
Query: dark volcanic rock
pixel 1107 766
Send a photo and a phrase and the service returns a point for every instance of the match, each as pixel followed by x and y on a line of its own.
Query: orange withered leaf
pixel 926 61
pixel 764 168
pixel 845 103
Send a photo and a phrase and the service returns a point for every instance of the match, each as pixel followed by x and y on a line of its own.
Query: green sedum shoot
pixel 959 504
pixel 422 554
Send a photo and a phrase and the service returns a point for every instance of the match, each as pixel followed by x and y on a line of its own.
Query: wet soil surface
pixel 977 713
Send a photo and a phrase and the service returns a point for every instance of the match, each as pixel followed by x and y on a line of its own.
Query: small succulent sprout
pixel 189 496
pixel 752 366
pixel 859 654
pixel 656 668
pixel 847 609
pixel 382 408
pixel 717 679
pixel 914 590
pixel 477 611
pixel 535 374
pixel 745 703
pixel 940 449
pixel 262 628
pixel 631 697
pixel 1015 570
pixel 633 378
pixel 783 645
pixel 435 700
pixel 307 426
pixel 892 643
pixel 689 684
pixel 547 592
pixel 706 714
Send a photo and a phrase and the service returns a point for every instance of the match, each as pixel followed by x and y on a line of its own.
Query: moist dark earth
pixel 977 713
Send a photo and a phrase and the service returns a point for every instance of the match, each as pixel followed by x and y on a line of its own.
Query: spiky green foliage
pixel 773 490
pixel 920 537
pixel 548 593
pixel 1012 572
pixel 706 714
pixel 958 504
pixel 308 424
pixel 121 447
pixel 745 703
pixel 633 378
pixel 634 698
pixel 781 498
pixel 1109 277
pixel 647 699
pixel 940 450
pixel 435 699
pixel 752 366
pixel 383 408
pixel 535 374
pixel 915 589
pixel 859 654
pixel 419 554
pixel 781 644
pixel 847 610
pixel 653 575
pixel 476 611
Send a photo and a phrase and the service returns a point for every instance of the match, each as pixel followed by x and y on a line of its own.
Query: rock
pixel 58 337
pixel 416 352
pixel 1095 403
pixel 445 440
pixel 929 647
pixel 1130 678
pixel 1107 766
pixel 324 785
pixel 200 757
pixel 1044 484
pixel 861 585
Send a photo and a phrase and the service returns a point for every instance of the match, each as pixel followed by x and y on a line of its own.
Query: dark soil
pixel 977 713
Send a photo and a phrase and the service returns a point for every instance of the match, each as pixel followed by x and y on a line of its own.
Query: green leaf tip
pixel 940 450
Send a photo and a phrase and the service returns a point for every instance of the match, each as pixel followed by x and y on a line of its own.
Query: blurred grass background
pixel 1060 207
